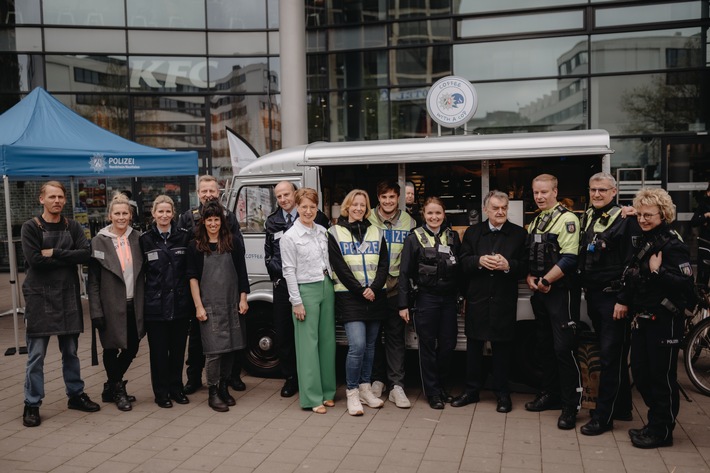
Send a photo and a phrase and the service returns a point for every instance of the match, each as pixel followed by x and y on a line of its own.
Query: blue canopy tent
pixel 41 138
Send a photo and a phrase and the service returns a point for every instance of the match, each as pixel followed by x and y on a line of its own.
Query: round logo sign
pixel 452 101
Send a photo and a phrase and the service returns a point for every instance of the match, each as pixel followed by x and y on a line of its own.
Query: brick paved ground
pixel 266 433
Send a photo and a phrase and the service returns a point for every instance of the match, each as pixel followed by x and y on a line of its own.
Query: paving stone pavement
pixel 267 433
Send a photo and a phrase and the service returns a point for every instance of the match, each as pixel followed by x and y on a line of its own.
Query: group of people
pixel 176 278
pixel 374 270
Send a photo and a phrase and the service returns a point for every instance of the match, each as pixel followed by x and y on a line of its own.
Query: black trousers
pixel 117 361
pixel 437 329
pixel 195 356
pixel 284 337
pixel 614 396
pixel 166 340
pixel 654 365
pixel 500 365
pixel 390 355
pixel 703 267
pixel 557 345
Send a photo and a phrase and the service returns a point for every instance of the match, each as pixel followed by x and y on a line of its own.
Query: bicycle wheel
pixel 696 356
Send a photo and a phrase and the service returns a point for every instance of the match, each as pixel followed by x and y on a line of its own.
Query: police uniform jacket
pixel 605 246
pixel 167 290
pixel 645 291
pixel 492 296
pixel 275 227
pixel 396 230
pixel 700 220
pixel 351 306
pixel 442 281
pixel 188 220
pixel 554 240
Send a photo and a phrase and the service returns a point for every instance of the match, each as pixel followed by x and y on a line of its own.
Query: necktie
pixel 164 235
pixel 289 220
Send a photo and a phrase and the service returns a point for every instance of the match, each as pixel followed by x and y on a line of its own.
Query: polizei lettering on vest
pixel 368 248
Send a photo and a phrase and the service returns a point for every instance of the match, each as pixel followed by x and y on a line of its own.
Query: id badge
pixel 362 249
pixel 152 256
pixel 537 237
pixel 278 235
pixel 446 249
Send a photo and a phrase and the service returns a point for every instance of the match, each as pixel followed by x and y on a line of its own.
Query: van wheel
pixel 526 368
pixel 260 357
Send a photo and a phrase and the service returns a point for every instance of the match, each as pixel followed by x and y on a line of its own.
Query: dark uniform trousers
pixel 283 325
pixel 500 365
pixel 437 329
pixel 614 396
pixel 167 342
pixel 654 364
pixel 557 345
pixel 390 356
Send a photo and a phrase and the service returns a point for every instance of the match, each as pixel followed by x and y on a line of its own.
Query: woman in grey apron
pixel 219 284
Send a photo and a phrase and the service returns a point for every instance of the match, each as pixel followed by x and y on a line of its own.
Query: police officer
pixel 701 219
pixel 276 225
pixel 396 226
pixel 207 189
pixel 553 243
pixel 605 245
pixel 658 285
pixel 430 262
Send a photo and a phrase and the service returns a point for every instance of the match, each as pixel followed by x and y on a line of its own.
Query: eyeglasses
pixel 601 190
pixel 647 216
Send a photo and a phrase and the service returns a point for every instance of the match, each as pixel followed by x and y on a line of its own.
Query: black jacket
pixel 492 296
pixel 644 291
pixel 352 306
pixel 275 227
pixel 196 263
pixel 188 220
pixel 700 220
pixel 167 290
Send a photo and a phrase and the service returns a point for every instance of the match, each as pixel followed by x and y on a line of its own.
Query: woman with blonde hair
pixel 167 300
pixel 116 297
pixel 358 253
pixel 658 283
pixel 306 269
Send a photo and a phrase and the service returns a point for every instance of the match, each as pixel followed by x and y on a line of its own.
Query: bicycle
pixel 696 343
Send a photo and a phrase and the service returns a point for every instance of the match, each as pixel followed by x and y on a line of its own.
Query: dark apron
pixel 223 331
pixel 52 295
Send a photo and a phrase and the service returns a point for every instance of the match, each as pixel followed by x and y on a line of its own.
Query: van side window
pixel 254 204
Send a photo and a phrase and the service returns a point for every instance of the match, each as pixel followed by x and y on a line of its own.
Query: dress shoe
pixel 648 439
pixel 30 417
pixel 446 396
pixel 596 427
pixel 236 383
pixel 289 388
pixel 543 402
pixel 192 386
pixel 435 402
pixel 164 403
pixel 468 397
pixel 179 397
pixel 504 403
pixel 636 432
pixel 82 402
pixel 568 419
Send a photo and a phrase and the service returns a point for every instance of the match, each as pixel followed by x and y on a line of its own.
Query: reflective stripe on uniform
pixel 361 258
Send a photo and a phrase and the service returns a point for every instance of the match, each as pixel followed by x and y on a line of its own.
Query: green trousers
pixel 315 344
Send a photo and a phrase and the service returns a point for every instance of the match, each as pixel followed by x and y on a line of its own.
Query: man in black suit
pixel 493 259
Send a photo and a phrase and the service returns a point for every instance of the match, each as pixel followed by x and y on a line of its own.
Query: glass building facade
pixel 176 73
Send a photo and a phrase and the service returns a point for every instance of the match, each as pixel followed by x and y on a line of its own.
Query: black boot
pixel 215 402
pixel 130 398
pixel 30 417
pixel 193 384
pixel 107 393
pixel 223 391
pixel 120 397
pixel 236 383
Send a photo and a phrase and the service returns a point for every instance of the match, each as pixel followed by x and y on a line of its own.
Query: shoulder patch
pixel 636 241
pixel 686 269
pixel 571 227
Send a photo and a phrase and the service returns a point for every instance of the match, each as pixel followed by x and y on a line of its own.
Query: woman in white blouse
pixel 306 268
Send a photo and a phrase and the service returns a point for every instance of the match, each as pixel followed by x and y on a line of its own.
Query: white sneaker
pixel 368 398
pixel 378 387
pixel 354 406
pixel 399 398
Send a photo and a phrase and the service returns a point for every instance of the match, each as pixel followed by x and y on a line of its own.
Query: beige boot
pixel 368 397
pixel 354 406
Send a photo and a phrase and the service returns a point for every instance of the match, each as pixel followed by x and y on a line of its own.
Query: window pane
pixel 357 38
pixel 360 69
pixel 243 75
pixel 166 42
pixel 405 9
pixel 169 121
pixel 85 40
pixel 472 28
pixel 541 105
pixel 418 32
pixel 273 6
pixel 166 13
pixel 651 103
pixel 21 39
pixel 236 14
pixel 421 65
pixel 25 12
pixel 109 111
pixel 665 49
pixel 478 6
pixel 93 13
pixel 254 204
pixel 86 73
pixel 645 14
pixel 517 59
pixel 169 74
pixel 237 44
pixel 21 73
pixel 410 118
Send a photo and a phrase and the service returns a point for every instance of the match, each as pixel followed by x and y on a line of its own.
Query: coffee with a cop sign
pixel 452 101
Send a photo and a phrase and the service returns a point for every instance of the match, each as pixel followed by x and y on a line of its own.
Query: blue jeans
pixel 34 380
pixel 361 351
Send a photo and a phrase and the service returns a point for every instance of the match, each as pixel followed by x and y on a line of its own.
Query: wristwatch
pixel 545 282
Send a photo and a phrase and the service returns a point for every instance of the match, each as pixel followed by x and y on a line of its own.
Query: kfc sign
pixel 163 73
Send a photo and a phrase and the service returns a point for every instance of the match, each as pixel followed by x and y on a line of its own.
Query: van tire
pixel 260 357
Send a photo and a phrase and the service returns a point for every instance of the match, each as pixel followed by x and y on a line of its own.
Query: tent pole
pixel 13 266
pixel 73 196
